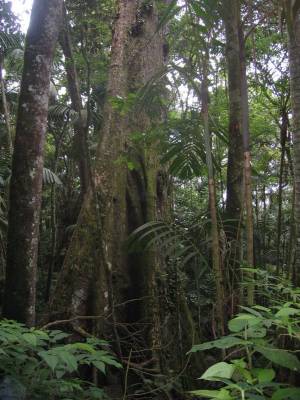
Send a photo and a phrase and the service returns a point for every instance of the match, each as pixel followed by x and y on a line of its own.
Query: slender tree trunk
pixel 231 12
pixel 294 60
pixel 5 107
pixel 247 168
pixel 27 165
pixel 216 258
pixel 283 138
pixel 81 145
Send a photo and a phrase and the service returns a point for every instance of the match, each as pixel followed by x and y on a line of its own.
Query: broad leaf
pixel 287 394
pixel 221 394
pixel 223 343
pixel 219 370
pixel 280 357
pixel 243 321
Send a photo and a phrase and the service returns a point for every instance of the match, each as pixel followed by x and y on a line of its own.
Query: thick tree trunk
pixel 96 249
pixel 294 59
pixel 231 11
pixel 107 217
pixel 27 165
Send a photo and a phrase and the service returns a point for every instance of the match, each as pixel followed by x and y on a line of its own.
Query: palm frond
pixel 9 42
pixel 49 177
pixel 61 113
pixel 185 159
pixel 172 239
pixel 171 9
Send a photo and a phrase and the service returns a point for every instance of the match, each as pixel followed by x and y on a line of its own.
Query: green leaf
pixel 287 312
pixel 219 370
pixel 223 343
pixel 243 321
pixel 95 393
pixel 256 332
pixel 58 335
pixel 30 338
pixel 261 308
pixel 251 311
pixel 99 365
pixel 111 361
pixel 287 394
pixel 50 360
pixel 69 359
pixel 83 346
pixel 264 375
pixel 221 394
pixel 280 357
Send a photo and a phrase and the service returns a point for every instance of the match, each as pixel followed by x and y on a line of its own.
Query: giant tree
pixel 27 165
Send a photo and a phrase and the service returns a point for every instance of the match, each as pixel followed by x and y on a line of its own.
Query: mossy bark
pixel 98 275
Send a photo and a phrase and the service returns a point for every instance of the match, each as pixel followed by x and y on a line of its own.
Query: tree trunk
pixel 80 128
pixel 5 108
pixel 247 168
pixel 216 257
pixel 294 60
pixel 27 165
pixel 283 139
pixel 231 11
pixel 96 246
pixel 96 265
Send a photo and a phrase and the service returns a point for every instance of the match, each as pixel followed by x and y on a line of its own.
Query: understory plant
pixel 40 364
pixel 260 354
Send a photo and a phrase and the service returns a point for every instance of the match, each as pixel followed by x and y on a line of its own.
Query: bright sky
pixel 22 9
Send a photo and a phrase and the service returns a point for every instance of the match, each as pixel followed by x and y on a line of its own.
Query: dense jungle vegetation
pixel 150 200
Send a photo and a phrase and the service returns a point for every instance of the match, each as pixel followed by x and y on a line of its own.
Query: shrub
pixel 37 364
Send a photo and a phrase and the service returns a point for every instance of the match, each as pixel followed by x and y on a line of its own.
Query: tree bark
pixel 294 61
pixel 231 12
pixel 283 139
pixel 5 108
pixel 96 244
pixel 80 126
pixel 27 164
pixel 247 168
pixel 216 255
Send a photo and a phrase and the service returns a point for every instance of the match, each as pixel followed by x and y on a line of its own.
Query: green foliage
pixel 255 333
pixel 43 365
